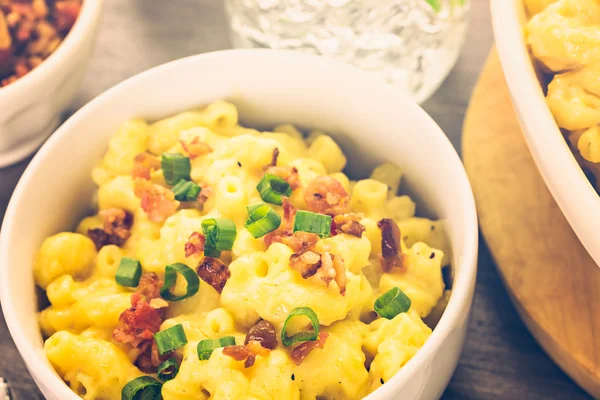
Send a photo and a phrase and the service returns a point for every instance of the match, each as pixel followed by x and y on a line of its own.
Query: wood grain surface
pixel 550 277
pixel 500 360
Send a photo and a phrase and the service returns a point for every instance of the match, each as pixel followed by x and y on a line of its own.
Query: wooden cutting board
pixel 552 281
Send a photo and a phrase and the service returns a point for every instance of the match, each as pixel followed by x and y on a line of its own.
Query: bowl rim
pixel 65 51
pixel 458 307
pixel 551 153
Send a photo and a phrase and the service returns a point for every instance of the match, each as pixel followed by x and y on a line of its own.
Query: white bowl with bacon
pixel 370 120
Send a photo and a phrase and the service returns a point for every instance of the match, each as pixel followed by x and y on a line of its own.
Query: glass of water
pixel 413 44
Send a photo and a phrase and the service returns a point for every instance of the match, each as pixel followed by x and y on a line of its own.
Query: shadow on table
pixel 501 360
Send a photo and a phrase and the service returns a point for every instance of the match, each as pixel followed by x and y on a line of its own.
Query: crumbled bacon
pixel 149 359
pixel 262 333
pixel 240 353
pixel 66 14
pixel 260 340
pixel 274 157
pixel 332 268
pixel 214 272
pixel 288 174
pixel 306 263
pixel 349 224
pixel 116 230
pixel 158 202
pixel 143 165
pixel 299 353
pixel 140 322
pixel 194 244
pixel 149 286
pixel 195 148
pixel 391 255
pixel 326 195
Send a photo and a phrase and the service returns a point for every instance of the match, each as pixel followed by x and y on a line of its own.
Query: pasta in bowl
pixel 227 262
pixel 549 57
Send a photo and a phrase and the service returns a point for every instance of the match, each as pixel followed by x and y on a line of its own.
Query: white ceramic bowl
pixel 32 106
pixel 564 177
pixel 371 120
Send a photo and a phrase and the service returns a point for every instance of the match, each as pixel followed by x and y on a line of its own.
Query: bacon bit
pixel 117 228
pixel 66 14
pixel 326 195
pixel 260 340
pixel 263 333
pixel 214 272
pixel 144 164
pixel 299 353
pixel 332 268
pixel 240 353
pixel 349 224
pixel 306 263
pixel 149 286
pixel 141 322
pixel 195 244
pixel 288 174
pixel 158 202
pixel 149 360
pixel 274 157
pixel 391 256
pixel 195 148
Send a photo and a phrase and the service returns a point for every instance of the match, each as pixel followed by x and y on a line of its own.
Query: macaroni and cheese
pixel 564 36
pixel 228 263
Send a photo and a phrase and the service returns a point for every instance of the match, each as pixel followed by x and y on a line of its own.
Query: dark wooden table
pixel 500 360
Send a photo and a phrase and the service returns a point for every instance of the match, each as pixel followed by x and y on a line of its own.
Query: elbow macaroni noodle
pixel 86 301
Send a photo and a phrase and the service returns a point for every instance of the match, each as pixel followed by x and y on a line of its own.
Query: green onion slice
pixel 170 339
pixel 206 347
pixel 220 234
pixel 208 252
pixel 300 336
pixel 307 221
pixel 193 281
pixel 142 388
pixel 435 4
pixel 271 188
pixel 129 272
pixel 262 220
pixel 175 167
pixel 186 190
pixel 392 303
pixel 168 370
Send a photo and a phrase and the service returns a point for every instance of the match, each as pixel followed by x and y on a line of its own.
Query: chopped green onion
pixel 129 272
pixel 175 167
pixel 272 187
pixel 142 388
pixel 168 370
pixel 170 339
pixel 307 221
pixel 435 4
pixel 208 252
pixel 392 303
pixel 262 220
pixel 193 281
pixel 206 347
pixel 253 207
pixel 300 336
pixel 186 190
pixel 220 234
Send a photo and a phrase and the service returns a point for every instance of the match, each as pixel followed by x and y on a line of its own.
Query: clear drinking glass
pixel 413 44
